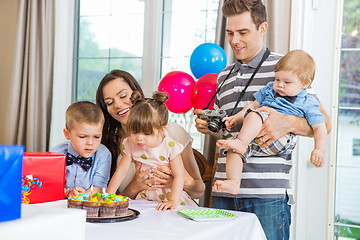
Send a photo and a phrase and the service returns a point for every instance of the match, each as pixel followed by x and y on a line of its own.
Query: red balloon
pixel 179 87
pixel 204 90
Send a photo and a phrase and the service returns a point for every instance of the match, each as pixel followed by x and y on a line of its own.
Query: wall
pixel 8 19
pixel 313 29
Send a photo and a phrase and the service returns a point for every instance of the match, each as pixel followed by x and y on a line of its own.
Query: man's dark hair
pixel 256 8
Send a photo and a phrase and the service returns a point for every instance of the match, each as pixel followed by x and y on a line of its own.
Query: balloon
pixel 179 86
pixel 204 90
pixel 207 58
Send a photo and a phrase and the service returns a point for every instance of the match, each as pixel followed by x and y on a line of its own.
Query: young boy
pixel 88 161
pixel 287 94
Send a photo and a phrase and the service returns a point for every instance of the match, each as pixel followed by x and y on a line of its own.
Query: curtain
pixel 276 39
pixel 28 111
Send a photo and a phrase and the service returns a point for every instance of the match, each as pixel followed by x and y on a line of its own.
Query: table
pixel 150 224
pixel 153 224
pixel 45 221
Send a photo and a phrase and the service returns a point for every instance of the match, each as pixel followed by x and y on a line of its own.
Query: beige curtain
pixel 277 40
pixel 277 37
pixel 28 112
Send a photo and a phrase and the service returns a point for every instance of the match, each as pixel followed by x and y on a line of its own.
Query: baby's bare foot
pixel 235 144
pixel 228 186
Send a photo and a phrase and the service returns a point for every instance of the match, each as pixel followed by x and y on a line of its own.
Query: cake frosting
pixel 100 204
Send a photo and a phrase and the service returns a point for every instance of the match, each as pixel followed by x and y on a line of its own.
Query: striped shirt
pixel 262 177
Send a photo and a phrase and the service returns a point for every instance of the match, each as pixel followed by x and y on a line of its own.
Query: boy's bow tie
pixel 289 98
pixel 85 163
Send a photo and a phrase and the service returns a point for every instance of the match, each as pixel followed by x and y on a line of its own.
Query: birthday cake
pixel 100 204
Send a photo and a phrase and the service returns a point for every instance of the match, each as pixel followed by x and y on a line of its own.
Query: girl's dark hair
pixel 147 114
pixel 112 130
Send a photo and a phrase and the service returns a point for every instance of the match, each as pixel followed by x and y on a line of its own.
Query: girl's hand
pixel 163 206
pixel 162 177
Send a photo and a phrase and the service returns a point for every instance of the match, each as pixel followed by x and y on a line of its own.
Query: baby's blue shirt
pixel 305 105
pixel 98 174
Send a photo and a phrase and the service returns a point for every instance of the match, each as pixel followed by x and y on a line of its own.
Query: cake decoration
pixel 100 204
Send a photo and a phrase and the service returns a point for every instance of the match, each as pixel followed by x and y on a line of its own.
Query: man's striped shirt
pixel 262 177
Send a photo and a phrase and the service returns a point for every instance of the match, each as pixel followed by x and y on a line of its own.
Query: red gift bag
pixel 43 177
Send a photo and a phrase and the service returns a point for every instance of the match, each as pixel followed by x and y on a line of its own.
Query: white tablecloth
pixel 153 224
pixel 46 221
pixel 54 220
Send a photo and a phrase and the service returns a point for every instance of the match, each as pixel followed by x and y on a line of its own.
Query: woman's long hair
pixel 112 130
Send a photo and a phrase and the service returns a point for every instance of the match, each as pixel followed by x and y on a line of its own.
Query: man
pixel 265 186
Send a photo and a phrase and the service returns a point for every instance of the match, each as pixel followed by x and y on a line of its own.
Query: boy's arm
pixel 119 174
pixel 320 139
pixel 278 125
pixel 102 170
pixel 239 117
pixel 320 136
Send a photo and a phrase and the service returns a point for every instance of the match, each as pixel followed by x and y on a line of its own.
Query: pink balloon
pixel 179 87
pixel 203 91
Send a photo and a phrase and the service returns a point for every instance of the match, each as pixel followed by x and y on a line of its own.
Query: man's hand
pixel 200 124
pixel 275 126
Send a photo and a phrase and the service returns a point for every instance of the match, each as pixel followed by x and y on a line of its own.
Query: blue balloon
pixel 207 58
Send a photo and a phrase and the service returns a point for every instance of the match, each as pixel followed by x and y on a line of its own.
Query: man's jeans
pixel 274 213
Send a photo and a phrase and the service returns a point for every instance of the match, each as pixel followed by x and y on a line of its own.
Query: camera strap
pixel 264 57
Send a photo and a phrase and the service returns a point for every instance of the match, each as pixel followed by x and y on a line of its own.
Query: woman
pixel 113 97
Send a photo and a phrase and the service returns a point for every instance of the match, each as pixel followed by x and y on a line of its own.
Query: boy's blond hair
pixel 83 112
pixel 300 63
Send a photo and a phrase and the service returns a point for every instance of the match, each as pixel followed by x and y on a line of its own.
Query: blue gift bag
pixel 11 164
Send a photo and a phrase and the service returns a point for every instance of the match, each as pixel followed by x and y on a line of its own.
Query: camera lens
pixel 214 127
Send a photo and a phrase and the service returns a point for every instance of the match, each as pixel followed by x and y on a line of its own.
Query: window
pixel 356 147
pixel 347 202
pixel 111 35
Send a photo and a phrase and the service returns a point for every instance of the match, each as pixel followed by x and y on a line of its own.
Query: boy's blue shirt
pixel 305 105
pixel 98 174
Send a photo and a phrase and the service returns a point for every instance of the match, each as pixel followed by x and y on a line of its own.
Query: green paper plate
pixel 210 214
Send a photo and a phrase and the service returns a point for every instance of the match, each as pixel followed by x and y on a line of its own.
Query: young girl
pixel 147 144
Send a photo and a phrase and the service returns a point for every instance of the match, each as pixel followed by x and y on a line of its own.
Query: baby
pixel 287 94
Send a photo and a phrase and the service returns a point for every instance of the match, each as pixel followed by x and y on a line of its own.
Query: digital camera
pixel 214 119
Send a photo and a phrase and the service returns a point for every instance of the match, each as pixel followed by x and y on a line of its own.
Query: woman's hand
pixel 162 177
pixel 138 183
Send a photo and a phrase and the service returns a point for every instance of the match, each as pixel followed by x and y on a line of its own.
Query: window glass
pixel 110 36
pixel 185 28
pixel 347 200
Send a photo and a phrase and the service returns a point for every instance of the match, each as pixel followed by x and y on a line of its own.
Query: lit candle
pixel 103 194
pixel 91 189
